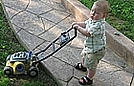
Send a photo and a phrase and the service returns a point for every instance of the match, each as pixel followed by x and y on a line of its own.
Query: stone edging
pixel 119 43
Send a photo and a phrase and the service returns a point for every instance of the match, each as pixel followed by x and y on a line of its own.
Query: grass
pixel 8 45
pixel 121 15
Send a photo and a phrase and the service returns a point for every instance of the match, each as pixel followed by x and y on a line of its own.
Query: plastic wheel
pixel 8 71
pixel 20 68
pixel 33 71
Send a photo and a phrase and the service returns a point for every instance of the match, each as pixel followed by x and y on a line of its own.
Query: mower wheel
pixel 8 70
pixel 33 71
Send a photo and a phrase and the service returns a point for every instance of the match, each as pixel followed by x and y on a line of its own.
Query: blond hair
pixel 103 4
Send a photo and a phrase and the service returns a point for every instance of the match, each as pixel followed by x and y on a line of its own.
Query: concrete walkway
pixel 38 22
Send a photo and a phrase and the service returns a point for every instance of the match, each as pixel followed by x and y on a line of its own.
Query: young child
pixel 95 40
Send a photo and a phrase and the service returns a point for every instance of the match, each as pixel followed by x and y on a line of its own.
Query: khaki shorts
pixel 91 60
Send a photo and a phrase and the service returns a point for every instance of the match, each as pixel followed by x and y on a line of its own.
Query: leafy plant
pixel 4 81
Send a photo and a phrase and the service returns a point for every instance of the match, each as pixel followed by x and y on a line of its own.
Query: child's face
pixel 97 13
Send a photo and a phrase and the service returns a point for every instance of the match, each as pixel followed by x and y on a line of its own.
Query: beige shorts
pixel 91 60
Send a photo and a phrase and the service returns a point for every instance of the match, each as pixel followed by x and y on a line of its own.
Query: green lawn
pixel 8 45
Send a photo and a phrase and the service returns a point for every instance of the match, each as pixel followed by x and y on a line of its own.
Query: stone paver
pixel 38 22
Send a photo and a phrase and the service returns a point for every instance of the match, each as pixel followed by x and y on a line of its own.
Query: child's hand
pixel 74 25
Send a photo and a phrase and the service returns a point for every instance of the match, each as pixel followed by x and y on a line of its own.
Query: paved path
pixel 38 22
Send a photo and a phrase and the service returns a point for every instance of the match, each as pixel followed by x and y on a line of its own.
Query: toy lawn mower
pixel 27 63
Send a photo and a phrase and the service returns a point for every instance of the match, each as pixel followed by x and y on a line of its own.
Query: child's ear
pixel 105 15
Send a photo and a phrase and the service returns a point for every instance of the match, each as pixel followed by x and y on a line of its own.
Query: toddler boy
pixel 95 40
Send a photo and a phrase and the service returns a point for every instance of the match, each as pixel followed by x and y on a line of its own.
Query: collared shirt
pixel 97 40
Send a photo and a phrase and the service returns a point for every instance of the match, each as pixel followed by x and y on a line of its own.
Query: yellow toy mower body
pixel 20 63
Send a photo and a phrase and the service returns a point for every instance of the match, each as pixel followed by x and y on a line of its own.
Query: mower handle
pixel 51 44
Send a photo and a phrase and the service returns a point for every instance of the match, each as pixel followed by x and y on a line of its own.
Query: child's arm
pixel 81 24
pixel 81 27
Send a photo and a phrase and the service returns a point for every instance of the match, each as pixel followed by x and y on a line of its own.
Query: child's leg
pixel 80 66
pixel 87 80
pixel 91 61
pixel 91 74
pixel 83 61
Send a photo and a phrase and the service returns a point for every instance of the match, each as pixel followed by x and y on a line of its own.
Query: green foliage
pixel 4 81
pixel 87 3
pixel 8 42
pixel 123 11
